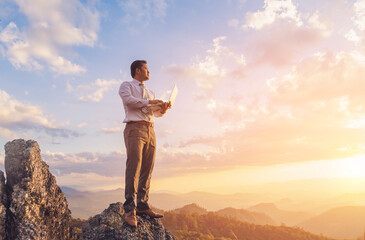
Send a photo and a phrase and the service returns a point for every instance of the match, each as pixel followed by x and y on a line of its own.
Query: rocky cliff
pixel 110 225
pixel 32 206
pixel 37 208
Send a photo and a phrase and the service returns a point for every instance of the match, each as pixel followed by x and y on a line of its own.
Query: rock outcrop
pixel 110 225
pixel 32 205
pixel 2 206
pixel 37 207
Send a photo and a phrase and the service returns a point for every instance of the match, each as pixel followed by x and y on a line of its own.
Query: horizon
pixel 269 91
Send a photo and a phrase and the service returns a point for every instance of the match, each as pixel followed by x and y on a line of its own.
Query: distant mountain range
pixel 98 201
pixel 338 222
pixel 239 214
pixel 341 222
pixel 209 226
pixel 281 216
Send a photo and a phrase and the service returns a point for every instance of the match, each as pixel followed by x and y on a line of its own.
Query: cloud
pixel 322 77
pixel 142 12
pixel 314 112
pixel 5 9
pixel 279 34
pixel 319 22
pixel 7 133
pixel 81 125
pixel 95 91
pixel 226 112
pixel 17 116
pixel 352 36
pixel 90 181
pixel 112 130
pixel 280 43
pixel 104 164
pixel 359 17
pixel 273 10
pixel 53 27
pixel 219 63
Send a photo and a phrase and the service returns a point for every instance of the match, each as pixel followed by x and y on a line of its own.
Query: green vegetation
pixel 211 226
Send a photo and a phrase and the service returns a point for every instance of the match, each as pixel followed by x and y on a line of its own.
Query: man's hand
pixel 156 101
pixel 165 106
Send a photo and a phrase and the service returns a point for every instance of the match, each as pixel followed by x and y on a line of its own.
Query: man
pixel 140 141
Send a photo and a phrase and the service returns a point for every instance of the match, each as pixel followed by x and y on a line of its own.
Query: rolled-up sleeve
pixel 125 93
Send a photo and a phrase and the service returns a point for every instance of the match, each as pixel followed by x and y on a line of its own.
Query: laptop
pixel 155 107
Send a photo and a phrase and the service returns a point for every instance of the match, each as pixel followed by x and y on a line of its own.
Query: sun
pixel 353 167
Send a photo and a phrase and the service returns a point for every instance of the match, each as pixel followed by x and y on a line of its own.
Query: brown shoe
pixel 150 213
pixel 130 218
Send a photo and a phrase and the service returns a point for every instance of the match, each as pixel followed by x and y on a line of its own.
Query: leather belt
pixel 149 124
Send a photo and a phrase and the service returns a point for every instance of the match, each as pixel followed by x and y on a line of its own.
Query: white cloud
pixel 219 63
pixel 313 112
pixel 316 21
pixel 53 25
pixel 142 12
pixel 18 50
pixel 81 125
pixel 112 130
pixel 281 43
pixel 273 10
pixel 234 112
pixel 359 18
pixel 352 36
pixel 5 9
pixel 320 77
pixel 15 116
pixel 95 91
pixel 105 164
pixel 7 133
pixel 90 181
pixel 281 34
pixel 233 23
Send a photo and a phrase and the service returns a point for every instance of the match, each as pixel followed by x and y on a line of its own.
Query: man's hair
pixel 136 64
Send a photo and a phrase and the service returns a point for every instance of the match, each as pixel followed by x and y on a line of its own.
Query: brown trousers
pixel 140 142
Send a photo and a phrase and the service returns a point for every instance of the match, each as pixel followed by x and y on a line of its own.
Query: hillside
pixel 187 226
pixel 191 208
pixel 239 214
pixel 247 216
pixel 341 222
pixel 281 216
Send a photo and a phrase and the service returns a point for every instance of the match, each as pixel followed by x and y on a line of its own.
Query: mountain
pixel 288 217
pixel 191 208
pixel 96 201
pixel 239 214
pixel 99 200
pixel 341 222
pixel 193 226
pixel 247 216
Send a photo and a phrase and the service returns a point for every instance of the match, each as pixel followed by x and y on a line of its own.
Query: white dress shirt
pixel 135 105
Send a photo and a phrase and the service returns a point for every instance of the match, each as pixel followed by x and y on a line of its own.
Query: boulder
pixel 37 208
pixel 110 225
pixel 2 206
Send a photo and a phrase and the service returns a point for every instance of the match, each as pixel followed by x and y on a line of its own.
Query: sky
pixel 269 91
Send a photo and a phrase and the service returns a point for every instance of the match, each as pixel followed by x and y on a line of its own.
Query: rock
pixel 2 206
pixel 37 207
pixel 110 225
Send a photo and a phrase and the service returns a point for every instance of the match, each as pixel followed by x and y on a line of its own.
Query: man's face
pixel 143 73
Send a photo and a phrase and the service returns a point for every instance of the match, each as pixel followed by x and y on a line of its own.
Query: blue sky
pixel 263 85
